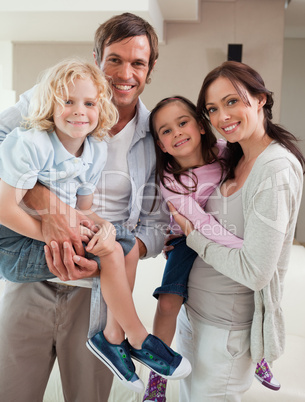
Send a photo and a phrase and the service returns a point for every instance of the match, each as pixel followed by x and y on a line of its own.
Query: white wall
pixel 193 49
pixel 293 105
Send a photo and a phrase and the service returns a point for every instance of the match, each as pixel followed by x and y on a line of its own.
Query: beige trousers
pixel 222 368
pixel 39 322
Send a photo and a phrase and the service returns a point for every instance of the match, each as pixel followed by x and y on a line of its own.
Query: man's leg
pixel 84 377
pixel 26 341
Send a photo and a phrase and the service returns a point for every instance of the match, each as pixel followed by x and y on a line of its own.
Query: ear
pixel 262 99
pixel 202 130
pixel 94 55
pixel 161 146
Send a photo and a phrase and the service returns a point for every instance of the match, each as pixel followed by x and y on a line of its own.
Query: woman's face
pixel 228 113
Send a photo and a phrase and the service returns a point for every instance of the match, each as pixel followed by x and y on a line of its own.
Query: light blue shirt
pixel 28 156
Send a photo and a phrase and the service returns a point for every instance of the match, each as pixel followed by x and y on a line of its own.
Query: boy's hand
pixel 103 242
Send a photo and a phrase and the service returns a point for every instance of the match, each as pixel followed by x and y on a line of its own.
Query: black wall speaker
pixel 235 52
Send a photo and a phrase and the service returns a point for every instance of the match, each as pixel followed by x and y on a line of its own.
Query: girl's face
pixel 79 116
pixel 179 134
pixel 231 117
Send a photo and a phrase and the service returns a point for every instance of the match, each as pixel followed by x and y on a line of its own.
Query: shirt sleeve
pixel 204 222
pixel 12 117
pixel 272 205
pixel 19 160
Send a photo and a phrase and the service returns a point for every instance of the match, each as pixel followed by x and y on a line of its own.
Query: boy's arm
pixel 14 217
pixel 59 221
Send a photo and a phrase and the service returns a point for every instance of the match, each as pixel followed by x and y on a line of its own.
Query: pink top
pixel 191 204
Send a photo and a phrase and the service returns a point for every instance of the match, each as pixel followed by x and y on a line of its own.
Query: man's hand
pixel 59 221
pixel 70 266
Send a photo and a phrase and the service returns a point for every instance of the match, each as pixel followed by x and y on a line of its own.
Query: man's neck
pixel 125 116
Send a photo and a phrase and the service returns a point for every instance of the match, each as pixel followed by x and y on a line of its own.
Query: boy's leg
pixel 113 332
pixel 22 259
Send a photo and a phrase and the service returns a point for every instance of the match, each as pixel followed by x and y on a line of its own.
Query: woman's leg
pixel 221 361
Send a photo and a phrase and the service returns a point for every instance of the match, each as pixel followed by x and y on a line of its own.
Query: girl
pixel 71 113
pixel 261 194
pixel 191 164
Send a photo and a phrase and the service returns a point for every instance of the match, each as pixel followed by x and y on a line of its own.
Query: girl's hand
pixel 103 242
pixel 186 226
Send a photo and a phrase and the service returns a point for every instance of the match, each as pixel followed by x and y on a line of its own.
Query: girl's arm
pixel 205 223
pixel 14 217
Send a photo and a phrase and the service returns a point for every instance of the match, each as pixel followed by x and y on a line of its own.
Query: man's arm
pixel 13 116
pixel 151 229
pixel 59 221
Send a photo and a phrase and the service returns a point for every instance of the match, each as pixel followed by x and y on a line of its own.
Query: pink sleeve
pixel 205 223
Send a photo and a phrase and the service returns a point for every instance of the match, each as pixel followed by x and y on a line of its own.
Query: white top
pixel 113 191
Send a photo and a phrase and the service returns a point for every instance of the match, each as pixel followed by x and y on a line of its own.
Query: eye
pixel 166 132
pixel 211 110
pixel 89 104
pixel 182 123
pixel 68 102
pixel 232 102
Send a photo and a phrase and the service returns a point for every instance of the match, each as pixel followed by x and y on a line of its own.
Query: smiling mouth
pixel 122 87
pixel 181 142
pixel 77 123
pixel 230 128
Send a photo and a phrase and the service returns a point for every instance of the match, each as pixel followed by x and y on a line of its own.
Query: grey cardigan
pixel 271 198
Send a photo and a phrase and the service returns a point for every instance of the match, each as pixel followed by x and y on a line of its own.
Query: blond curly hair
pixel 53 88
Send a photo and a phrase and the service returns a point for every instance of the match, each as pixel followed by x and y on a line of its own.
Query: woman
pixel 233 316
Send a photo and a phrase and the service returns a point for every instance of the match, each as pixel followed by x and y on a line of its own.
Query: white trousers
pixel 222 368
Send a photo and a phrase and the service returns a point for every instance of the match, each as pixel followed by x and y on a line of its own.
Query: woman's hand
pixel 186 226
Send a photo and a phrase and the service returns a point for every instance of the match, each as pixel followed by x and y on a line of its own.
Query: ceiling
pixel 76 20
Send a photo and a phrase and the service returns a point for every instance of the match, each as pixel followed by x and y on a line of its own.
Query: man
pixel 44 320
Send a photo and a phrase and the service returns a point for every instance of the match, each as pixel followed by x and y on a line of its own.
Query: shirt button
pixel 62 174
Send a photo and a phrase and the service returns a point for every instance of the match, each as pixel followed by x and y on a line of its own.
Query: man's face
pixel 125 65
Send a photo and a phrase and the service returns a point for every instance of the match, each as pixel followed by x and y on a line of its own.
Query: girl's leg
pixel 165 319
pixel 164 328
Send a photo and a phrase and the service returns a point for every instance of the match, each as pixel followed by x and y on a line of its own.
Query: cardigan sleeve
pixel 271 198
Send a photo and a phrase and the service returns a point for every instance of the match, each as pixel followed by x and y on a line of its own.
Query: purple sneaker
pixel 264 375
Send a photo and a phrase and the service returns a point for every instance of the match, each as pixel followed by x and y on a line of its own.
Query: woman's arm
pixel 270 218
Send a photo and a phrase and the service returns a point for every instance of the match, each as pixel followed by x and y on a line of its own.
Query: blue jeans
pixel 22 259
pixel 177 269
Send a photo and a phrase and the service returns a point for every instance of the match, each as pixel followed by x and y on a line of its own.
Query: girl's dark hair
pixel 243 76
pixel 166 163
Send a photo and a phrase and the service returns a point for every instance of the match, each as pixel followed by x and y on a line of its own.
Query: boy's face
pixel 79 115
pixel 125 65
